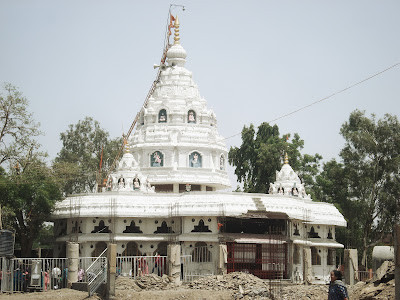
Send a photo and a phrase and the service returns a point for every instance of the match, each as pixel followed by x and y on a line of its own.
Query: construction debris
pixel 241 284
pixel 145 282
pixel 381 286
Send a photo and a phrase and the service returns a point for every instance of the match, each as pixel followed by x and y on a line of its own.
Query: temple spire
pixel 176 26
pixel 286 159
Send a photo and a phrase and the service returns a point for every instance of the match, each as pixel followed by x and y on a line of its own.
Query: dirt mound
pixel 241 284
pixel 305 292
pixel 144 282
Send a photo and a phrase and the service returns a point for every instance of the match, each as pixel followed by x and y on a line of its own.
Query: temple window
pixel 131 249
pixel 191 116
pixel 201 227
pixel 296 255
pixel 201 253
pixel 157 159
pixel 164 228
pixel 331 257
pixel 76 228
pixel 295 192
pixel 161 249
pixel 296 230
pixel 222 162
pixel 330 234
pixel 195 160
pixel 313 233
pixel 99 248
pixel 101 228
pixel 132 228
pixel 315 257
pixel 162 116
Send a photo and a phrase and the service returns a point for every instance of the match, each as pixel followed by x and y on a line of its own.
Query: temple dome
pixel 176 54
pixel 288 182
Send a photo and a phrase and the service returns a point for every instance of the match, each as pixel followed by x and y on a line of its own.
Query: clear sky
pixel 252 60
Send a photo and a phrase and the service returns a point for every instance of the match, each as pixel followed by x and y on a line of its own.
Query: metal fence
pixel 365 275
pixel 134 266
pixel 42 274
pixel 33 274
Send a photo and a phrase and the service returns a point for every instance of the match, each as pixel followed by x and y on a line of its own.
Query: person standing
pixel 337 289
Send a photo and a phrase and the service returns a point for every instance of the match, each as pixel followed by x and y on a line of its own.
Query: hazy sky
pixel 252 60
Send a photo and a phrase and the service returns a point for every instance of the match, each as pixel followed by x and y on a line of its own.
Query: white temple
pixel 167 187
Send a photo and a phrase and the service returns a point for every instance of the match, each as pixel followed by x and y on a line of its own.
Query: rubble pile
pixel 145 282
pixel 241 284
pixel 305 292
pixel 381 286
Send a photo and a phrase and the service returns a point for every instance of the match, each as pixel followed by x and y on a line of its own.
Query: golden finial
pixel 286 159
pixel 176 26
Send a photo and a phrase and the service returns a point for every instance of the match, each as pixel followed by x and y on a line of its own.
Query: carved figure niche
pixel 201 227
pixel 157 159
pixel 164 228
pixel 162 116
pixel 191 116
pixel 313 233
pixel 132 228
pixel 101 228
pixel 195 160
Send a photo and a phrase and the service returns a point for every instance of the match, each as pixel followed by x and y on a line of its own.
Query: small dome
pixel 176 54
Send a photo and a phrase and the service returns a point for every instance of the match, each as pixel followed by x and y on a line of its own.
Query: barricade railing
pixel 33 274
pixel 365 275
pixel 134 266
pixel 96 273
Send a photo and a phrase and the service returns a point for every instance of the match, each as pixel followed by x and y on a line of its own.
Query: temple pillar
pixel 223 259
pixel 174 263
pixel 307 266
pixel 350 265
pixel 73 262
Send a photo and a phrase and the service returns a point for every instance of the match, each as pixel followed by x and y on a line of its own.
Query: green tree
pixel 261 155
pixel 371 158
pixel 365 184
pixel 18 130
pixel 29 196
pixel 332 187
pixel 79 159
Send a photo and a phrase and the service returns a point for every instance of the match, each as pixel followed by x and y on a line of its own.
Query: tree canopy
pixel 83 145
pixel 365 184
pixel 261 155
pixel 28 196
pixel 28 188
pixel 18 129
